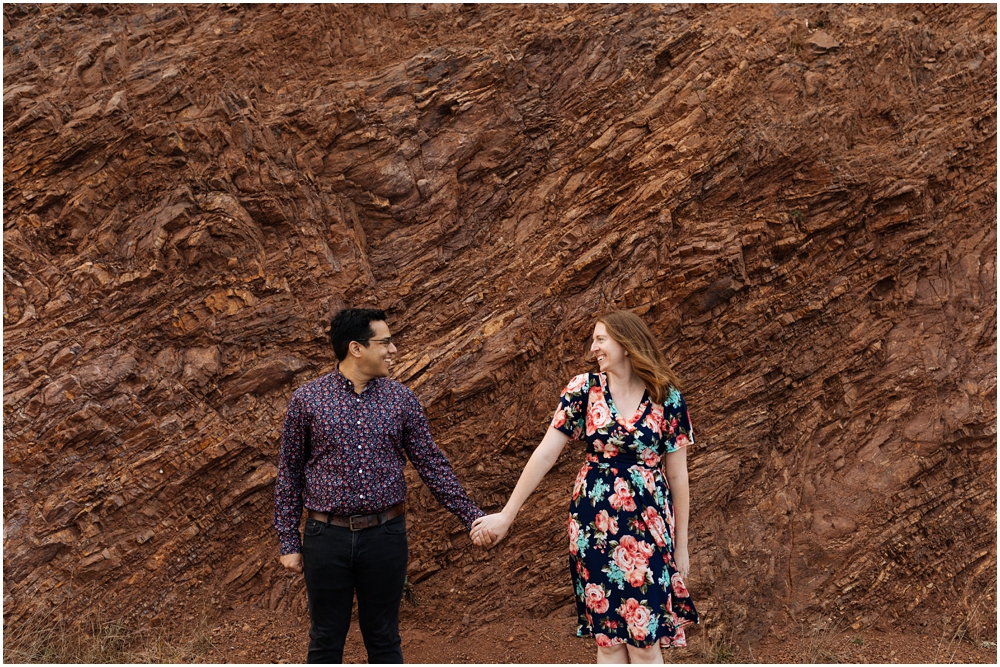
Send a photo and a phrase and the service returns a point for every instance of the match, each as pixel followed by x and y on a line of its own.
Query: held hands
pixel 487 531
pixel 292 562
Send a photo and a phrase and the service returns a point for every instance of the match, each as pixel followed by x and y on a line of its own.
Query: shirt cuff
pixel 290 544
pixel 475 514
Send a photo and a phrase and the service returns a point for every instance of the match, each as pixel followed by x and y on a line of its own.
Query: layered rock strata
pixel 800 200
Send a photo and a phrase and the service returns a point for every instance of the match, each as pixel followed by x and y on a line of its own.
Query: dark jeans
pixel 338 563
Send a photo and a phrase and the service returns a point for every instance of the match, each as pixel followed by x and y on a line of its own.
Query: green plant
pixel 723 655
pixel 858 640
pixel 408 593
pixel 718 649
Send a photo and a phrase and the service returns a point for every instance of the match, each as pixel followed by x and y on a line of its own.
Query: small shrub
pixel 408 593
pixel 797 40
pixel 820 641
pixel 718 650
pixel 42 638
pixel 723 655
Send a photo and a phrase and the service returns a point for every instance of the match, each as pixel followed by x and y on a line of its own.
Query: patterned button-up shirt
pixel 344 453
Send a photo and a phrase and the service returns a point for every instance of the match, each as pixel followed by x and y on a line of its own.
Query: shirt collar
pixel 340 380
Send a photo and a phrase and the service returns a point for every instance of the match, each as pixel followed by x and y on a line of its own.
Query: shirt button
pixel 362 496
pixel 360 471
pixel 359 446
pixel 359 422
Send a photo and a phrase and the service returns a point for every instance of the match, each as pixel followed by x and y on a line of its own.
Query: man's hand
pixel 292 563
pixel 489 530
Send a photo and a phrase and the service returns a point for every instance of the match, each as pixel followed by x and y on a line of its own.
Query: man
pixel 344 444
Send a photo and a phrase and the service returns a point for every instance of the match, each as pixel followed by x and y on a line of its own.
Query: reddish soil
pixel 246 634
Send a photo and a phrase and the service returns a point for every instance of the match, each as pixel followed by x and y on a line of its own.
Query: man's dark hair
pixel 352 324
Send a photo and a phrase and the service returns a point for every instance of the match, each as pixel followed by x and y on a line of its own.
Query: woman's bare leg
pixel 612 655
pixel 650 655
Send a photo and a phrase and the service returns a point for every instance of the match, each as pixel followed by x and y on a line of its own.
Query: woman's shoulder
pixel 578 382
pixel 674 399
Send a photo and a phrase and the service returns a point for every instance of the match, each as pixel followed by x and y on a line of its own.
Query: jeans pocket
pixel 396 526
pixel 313 527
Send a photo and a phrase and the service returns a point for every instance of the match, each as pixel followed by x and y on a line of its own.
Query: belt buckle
pixel 350 522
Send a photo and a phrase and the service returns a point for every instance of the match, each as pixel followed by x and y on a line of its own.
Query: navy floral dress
pixel 621 522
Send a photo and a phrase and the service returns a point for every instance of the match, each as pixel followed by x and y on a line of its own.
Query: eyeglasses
pixel 387 341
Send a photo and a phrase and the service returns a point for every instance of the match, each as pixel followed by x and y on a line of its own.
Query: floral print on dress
pixel 621 522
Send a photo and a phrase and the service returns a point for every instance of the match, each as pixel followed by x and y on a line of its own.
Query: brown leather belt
pixel 358 522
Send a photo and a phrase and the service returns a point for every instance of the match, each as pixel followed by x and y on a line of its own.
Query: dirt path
pixel 249 635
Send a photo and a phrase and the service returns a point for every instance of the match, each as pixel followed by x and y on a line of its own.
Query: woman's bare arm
pixel 677 478
pixel 488 530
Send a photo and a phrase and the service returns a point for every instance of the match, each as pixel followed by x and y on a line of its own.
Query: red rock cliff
pixel 801 200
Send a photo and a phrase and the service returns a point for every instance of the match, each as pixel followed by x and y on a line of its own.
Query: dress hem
pixel 646 644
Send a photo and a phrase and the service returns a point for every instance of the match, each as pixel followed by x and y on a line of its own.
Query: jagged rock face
pixel 804 213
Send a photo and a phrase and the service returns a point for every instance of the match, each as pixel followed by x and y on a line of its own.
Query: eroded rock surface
pixel 800 200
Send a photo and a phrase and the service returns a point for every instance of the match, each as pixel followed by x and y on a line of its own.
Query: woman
pixel 628 525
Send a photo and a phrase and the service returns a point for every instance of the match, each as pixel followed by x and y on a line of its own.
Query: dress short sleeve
pixel 679 430
pixel 570 415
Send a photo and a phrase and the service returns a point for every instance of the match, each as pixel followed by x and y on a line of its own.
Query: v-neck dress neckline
pixel 640 411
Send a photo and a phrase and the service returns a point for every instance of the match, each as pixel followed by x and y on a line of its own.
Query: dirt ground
pixel 250 635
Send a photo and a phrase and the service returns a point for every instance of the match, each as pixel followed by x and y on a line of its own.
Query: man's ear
pixel 354 348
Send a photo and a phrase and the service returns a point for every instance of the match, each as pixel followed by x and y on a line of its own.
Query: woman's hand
pixel 682 561
pixel 489 530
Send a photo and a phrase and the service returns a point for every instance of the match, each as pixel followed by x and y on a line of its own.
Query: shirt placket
pixel 358 403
